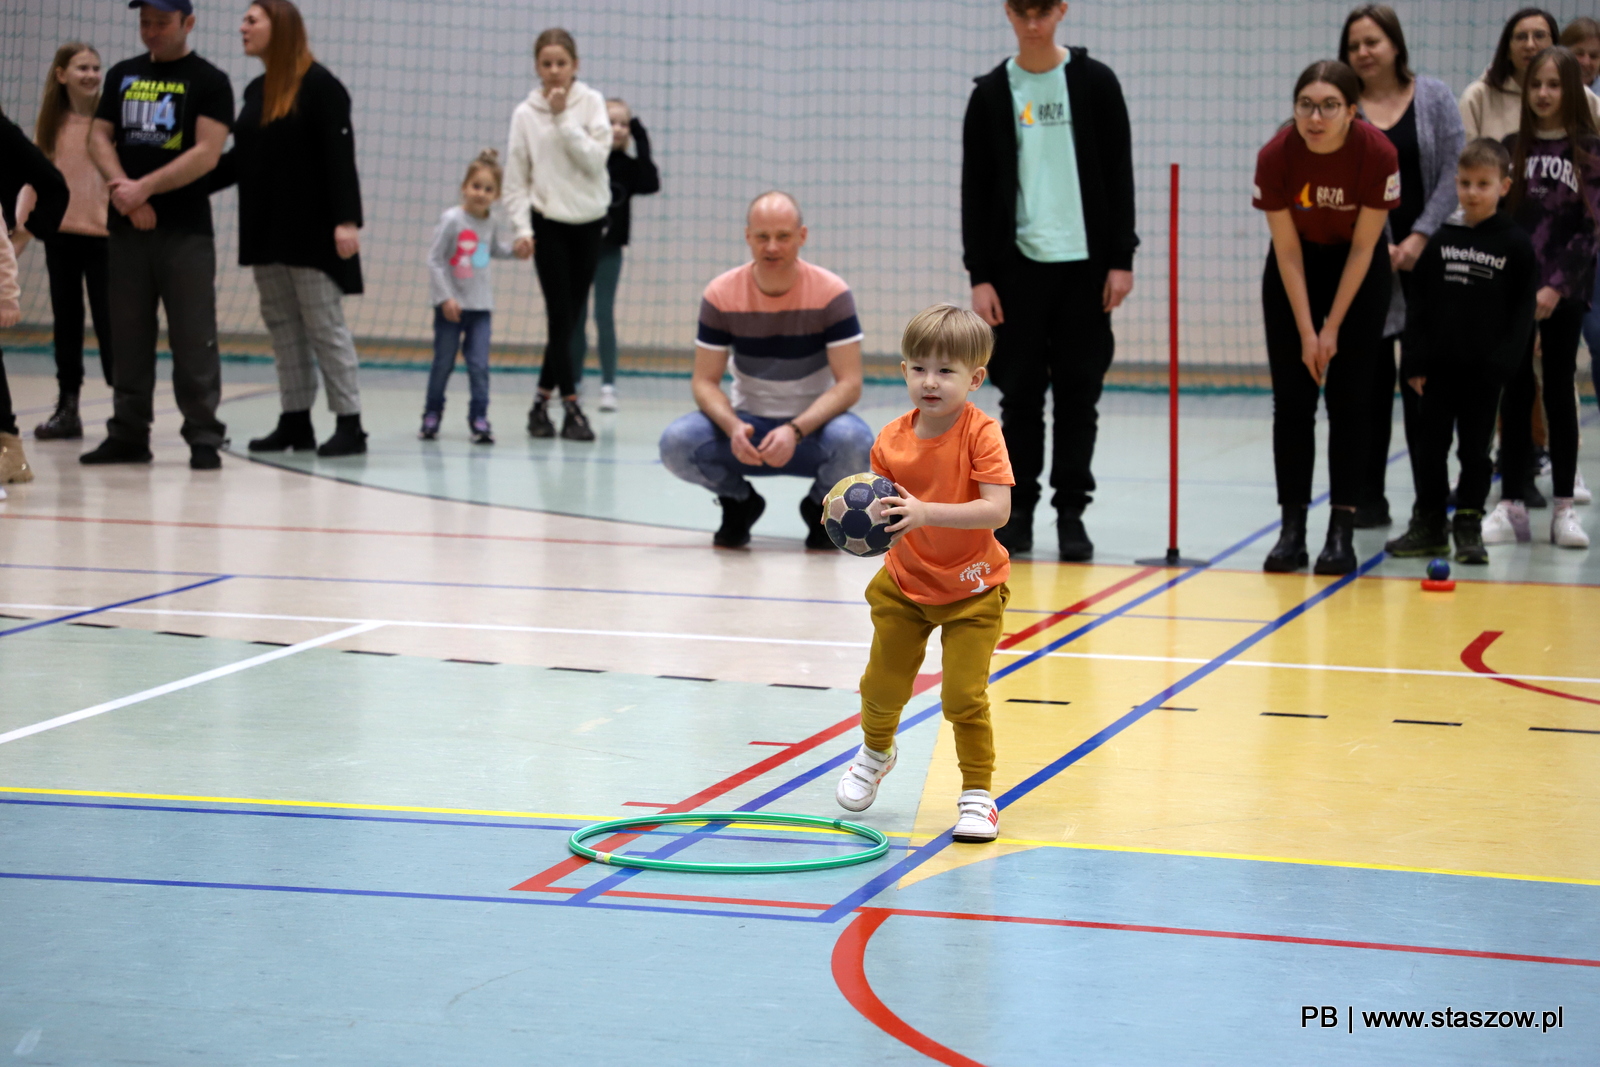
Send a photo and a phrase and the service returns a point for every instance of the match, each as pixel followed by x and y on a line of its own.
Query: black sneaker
pixel 1016 536
pixel 737 518
pixel 1372 516
pixel 293 432
pixel 816 534
pixel 64 423
pixel 348 439
pixel 1467 526
pixel 1428 535
pixel 539 424
pixel 204 458
pixel 116 450
pixel 1073 539
pixel 574 424
pixel 1339 551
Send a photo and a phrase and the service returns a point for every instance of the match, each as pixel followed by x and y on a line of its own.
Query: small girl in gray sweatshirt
pixel 462 293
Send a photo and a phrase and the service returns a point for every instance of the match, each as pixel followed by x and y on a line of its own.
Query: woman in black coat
pixel 294 160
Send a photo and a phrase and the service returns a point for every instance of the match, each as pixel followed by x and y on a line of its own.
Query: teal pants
pixel 606 274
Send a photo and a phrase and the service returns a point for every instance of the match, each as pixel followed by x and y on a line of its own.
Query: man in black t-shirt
pixel 162 122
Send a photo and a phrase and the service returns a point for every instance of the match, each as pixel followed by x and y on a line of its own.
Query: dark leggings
pixel 73 260
pixel 1558 336
pixel 564 256
pixel 8 418
pixel 1347 384
pixel 1382 415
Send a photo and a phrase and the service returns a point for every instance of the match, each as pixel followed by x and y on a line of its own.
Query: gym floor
pixel 289 754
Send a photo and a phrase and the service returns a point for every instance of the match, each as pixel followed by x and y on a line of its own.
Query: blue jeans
pixel 694 449
pixel 606 274
pixel 471 337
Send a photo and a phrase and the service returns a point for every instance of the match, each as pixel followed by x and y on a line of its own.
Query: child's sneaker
pixel 1580 492
pixel 858 786
pixel 574 425
pixel 482 432
pixel 608 398
pixel 1507 524
pixel 430 426
pixel 1565 529
pixel 980 819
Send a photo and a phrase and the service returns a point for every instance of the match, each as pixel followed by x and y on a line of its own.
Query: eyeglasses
pixel 1328 109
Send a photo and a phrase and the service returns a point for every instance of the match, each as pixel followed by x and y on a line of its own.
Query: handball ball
pixel 853 513
pixel 1439 569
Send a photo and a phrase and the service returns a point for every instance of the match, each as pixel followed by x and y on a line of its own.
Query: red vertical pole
pixel 1172 372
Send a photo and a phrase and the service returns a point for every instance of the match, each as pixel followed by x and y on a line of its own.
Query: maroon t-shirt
pixel 1324 193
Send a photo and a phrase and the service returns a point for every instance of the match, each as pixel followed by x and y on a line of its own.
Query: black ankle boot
pixel 64 423
pixel 1289 554
pixel 348 439
pixel 1339 551
pixel 294 431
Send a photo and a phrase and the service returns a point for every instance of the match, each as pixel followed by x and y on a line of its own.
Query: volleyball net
pixel 854 107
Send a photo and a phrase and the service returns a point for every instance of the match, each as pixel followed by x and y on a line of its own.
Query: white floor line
pixel 802 641
pixel 185 683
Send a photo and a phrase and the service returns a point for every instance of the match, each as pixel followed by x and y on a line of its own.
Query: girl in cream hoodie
pixel 557 192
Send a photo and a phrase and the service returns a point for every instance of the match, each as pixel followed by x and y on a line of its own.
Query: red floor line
pixel 337 530
pixel 1087 602
pixel 1472 656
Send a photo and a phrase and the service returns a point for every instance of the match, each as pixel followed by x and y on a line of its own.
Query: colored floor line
pixel 112 607
pixel 1472 656
pixel 182 683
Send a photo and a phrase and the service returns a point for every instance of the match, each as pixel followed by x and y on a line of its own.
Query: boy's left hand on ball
pixel 911 511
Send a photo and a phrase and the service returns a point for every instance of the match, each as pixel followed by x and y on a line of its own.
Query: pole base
pixel 1172 559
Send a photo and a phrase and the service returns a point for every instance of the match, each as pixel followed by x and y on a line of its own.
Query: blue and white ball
pixel 854 514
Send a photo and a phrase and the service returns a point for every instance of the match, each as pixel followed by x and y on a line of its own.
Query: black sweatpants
pixel 74 260
pixel 564 256
pixel 176 271
pixel 1056 337
pixel 1347 384
pixel 1558 337
pixel 1383 389
pixel 1462 405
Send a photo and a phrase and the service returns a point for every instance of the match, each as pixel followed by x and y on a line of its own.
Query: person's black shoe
pixel 1467 526
pixel 116 450
pixel 204 458
pixel 539 424
pixel 737 518
pixel 348 439
pixel 1289 554
pixel 1016 536
pixel 1531 495
pixel 574 423
pixel 1072 539
pixel 64 423
pixel 1371 516
pixel 1338 552
pixel 816 534
pixel 293 432
pixel 1428 535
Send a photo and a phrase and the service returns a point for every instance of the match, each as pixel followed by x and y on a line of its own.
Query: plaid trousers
pixel 304 312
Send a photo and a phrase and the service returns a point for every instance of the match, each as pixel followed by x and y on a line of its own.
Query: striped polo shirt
pixel 779 344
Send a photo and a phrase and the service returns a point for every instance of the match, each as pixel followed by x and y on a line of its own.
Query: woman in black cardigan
pixel 294 160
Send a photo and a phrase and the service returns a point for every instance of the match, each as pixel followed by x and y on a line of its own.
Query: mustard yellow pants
pixel 970 629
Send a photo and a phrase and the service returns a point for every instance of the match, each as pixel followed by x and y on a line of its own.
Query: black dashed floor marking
pixel 274 644
pixel 1294 715
pixel 1427 722
pixel 177 633
pixel 92 625
pixel 479 662
pixel 367 652
pixel 685 678
pixel 580 670
pixel 793 685
pixel 1560 730
pixel 1029 700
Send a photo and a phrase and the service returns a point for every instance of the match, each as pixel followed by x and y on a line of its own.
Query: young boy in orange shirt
pixel 945 569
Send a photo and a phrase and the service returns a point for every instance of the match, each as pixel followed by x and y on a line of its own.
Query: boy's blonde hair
pixel 948 332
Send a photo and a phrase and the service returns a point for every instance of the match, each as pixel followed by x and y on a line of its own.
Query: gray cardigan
pixel 1440 138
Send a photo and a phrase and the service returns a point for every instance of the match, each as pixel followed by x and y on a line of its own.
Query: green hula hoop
pixel 880 843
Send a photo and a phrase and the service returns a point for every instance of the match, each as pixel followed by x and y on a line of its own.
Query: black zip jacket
pixel 24 163
pixel 1104 148
pixel 630 176
pixel 1472 298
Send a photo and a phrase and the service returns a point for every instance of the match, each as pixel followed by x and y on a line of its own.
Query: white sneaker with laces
pixel 1580 492
pixel 1507 524
pixel 858 786
pixel 608 398
pixel 1565 529
pixel 980 819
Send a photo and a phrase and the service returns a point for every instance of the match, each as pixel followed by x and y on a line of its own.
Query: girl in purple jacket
pixel 1555 196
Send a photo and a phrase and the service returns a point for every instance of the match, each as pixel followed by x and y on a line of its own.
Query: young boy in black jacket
pixel 1472 309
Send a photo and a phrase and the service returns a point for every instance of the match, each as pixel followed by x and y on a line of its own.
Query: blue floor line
pixel 108 607
pixel 920 856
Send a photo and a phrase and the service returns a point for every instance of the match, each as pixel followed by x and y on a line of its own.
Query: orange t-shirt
pixel 935 564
